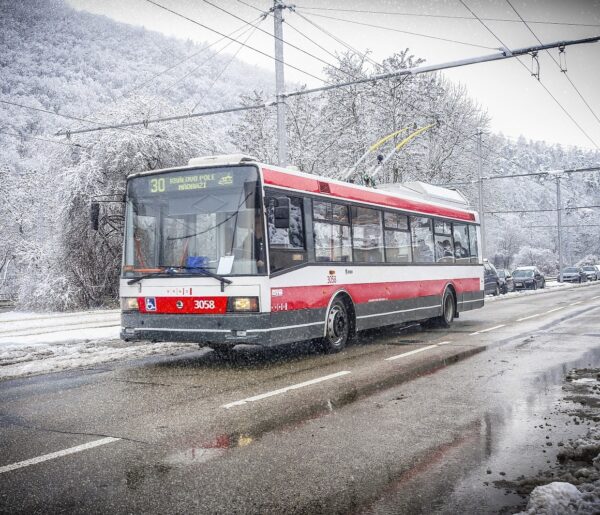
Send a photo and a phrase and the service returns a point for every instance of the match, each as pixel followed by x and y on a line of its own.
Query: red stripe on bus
pixel 183 305
pixel 315 297
pixel 286 180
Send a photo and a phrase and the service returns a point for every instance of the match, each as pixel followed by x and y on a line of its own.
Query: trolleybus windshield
pixel 188 221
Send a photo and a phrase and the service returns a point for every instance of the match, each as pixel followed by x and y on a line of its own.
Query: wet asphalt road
pixel 356 433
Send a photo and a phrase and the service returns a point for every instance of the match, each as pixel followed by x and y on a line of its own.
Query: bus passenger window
pixel 473 244
pixel 367 235
pixel 422 239
pixel 461 243
pixel 286 246
pixel 397 238
pixel 444 248
pixel 332 232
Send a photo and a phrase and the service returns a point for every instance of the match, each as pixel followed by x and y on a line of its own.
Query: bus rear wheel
pixel 448 312
pixel 337 327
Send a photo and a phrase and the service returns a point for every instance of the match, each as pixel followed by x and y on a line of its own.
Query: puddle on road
pixel 512 445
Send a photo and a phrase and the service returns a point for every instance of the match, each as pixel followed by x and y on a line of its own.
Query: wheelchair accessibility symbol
pixel 150 304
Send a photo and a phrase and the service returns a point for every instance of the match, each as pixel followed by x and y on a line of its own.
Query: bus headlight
pixel 129 304
pixel 242 304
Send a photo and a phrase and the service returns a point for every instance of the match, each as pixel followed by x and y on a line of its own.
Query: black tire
pixel 223 353
pixel 496 291
pixel 337 327
pixel 534 287
pixel 543 284
pixel 580 280
pixel 448 312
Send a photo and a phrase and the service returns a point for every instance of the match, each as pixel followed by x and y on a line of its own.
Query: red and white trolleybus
pixel 229 251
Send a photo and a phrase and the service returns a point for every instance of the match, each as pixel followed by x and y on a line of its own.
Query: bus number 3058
pixel 204 304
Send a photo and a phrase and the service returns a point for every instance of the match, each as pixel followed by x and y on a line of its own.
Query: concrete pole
pixel 282 149
pixel 480 187
pixel 559 222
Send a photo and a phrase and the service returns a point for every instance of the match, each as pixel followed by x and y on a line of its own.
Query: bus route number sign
pixel 189 181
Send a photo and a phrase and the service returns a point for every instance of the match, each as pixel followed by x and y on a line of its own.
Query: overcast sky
pixel 515 101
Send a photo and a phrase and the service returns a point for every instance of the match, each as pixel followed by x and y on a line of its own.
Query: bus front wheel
pixel 337 327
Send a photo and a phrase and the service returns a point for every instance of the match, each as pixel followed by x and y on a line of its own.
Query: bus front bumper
pixel 264 329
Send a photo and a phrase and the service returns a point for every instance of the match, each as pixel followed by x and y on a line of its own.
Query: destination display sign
pixel 188 181
pixel 198 180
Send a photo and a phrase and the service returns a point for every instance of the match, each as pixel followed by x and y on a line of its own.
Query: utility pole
pixel 480 188
pixel 282 149
pixel 559 221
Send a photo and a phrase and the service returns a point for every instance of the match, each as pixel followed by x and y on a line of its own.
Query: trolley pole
pixel 480 188
pixel 559 222
pixel 282 149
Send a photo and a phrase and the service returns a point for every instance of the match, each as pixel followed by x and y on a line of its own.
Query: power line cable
pixel 224 68
pixel 382 27
pixel 339 41
pixel 195 22
pixel 288 24
pixel 287 43
pixel 16 135
pixel 556 62
pixel 210 58
pixel 539 81
pixel 443 16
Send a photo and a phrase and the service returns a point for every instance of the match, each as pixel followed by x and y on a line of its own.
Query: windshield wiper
pixel 147 276
pixel 171 270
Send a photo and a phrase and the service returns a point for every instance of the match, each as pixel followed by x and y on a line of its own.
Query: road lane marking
pixel 488 329
pixel 555 309
pixel 596 297
pixel 285 389
pixel 416 351
pixel 527 318
pixel 58 454
pixel 575 303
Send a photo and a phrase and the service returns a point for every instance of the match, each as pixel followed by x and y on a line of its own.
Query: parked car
pixel 592 272
pixel 528 278
pixel 490 279
pixel 506 281
pixel 574 274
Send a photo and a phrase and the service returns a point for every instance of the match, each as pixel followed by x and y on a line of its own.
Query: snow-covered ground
pixel 34 343
pixel 550 286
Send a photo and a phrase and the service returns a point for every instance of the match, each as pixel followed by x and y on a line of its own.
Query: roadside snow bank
pixel 36 343
pixel 563 499
pixel 550 286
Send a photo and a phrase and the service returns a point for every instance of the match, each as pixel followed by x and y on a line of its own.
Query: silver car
pixel 592 272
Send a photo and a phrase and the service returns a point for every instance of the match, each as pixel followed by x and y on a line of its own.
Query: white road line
pixel 555 309
pixel 488 329
pixel 575 303
pixel 530 316
pixel 286 389
pixel 416 351
pixel 58 454
pixel 596 297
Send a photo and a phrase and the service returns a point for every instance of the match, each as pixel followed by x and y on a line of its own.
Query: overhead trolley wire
pixel 287 43
pixel 195 22
pixel 539 81
pixel 556 62
pixel 444 16
pixel 28 136
pixel 252 25
pixel 382 27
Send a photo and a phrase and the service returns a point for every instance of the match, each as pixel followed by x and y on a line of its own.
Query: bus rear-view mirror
pixel 282 213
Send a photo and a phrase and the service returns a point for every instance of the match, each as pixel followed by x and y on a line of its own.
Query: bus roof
pixel 416 197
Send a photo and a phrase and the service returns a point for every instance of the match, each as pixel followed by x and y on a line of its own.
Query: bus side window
pixel 444 248
pixel 367 235
pixel 397 238
pixel 422 239
pixel 287 247
pixel 461 243
pixel 331 232
pixel 473 244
